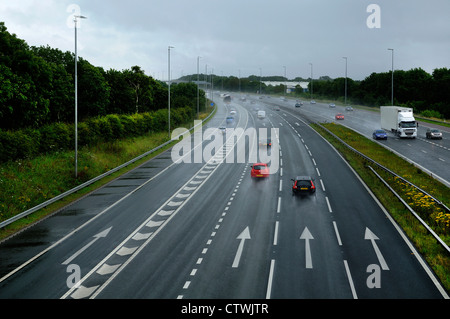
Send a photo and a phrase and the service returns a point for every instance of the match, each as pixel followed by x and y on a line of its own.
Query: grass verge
pixel 436 256
pixel 29 182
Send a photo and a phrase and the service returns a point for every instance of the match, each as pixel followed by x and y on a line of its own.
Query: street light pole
pixel 311 80
pixel 169 88
pixel 198 85
pixel 345 79
pixel 392 78
pixel 76 96
pixel 260 79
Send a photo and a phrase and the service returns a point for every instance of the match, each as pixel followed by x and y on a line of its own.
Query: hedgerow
pixel 28 143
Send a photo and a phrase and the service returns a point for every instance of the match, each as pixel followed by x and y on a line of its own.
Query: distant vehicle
pixel 313 102
pixel 379 135
pixel 222 129
pixel 298 104
pixel 349 108
pixel 339 116
pixel 259 170
pixel 399 120
pixel 266 142
pixel 227 98
pixel 232 112
pixel 261 114
pixel 332 105
pixel 276 108
pixel 303 185
pixel 434 133
pixel 230 119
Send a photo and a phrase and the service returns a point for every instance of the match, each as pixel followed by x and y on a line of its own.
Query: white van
pixel 261 114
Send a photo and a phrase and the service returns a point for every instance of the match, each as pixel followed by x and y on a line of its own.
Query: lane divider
pixel 126 251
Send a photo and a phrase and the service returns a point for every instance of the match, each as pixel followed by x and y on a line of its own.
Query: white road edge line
pixel 350 280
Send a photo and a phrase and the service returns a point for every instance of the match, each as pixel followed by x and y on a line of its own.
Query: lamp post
pixel 169 87
pixel 311 80
pixel 260 79
pixel 198 84
pixel 76 95
pixel 392 78
pixel 345 79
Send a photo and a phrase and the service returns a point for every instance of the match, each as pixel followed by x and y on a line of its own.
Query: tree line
pixel 426 93
pixel 37 87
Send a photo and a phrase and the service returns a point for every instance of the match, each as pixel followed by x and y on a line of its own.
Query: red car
pixel 339 116
pixel 259 170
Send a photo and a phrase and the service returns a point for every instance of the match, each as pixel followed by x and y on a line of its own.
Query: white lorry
pixel 261 114
pixel 399 120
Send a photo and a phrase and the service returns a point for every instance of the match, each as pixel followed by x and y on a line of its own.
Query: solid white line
pixel 328 203
pixel 269 285
pixel 337 233
pixel 350 280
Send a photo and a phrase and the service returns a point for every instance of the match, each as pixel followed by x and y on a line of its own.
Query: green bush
pixel 431 114
pixel 56 136
pixel 61 136
pixel 116 125
pixel 15 145
pixel 104 129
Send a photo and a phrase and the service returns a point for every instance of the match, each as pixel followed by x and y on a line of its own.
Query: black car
pixel 303 185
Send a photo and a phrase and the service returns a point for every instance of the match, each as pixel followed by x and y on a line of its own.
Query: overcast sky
pixel 243 36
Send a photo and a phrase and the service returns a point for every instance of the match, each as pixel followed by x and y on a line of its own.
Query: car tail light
pixel 312 185
pixel 295 185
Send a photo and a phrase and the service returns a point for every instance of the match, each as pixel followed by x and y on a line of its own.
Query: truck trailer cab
pixel 399 120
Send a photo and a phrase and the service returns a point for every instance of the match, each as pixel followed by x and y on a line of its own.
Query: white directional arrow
pixel 372 237
pixel 243 236
pixel 306 235
pixel 96 237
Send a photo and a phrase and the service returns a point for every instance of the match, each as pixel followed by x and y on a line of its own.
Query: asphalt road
pixel 432 156
pixel 208 230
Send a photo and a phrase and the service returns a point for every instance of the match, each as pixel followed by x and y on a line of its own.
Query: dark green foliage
pixel 58 136
pixel 37 87
pixel 37 101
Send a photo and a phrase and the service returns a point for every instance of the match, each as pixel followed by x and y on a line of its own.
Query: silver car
pixel 433 133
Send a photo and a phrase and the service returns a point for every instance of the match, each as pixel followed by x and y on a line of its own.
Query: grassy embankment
pixel 436 256
pixel 29 182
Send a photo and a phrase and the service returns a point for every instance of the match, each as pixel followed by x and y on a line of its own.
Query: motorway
pixel 432 156
pixel 203 228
